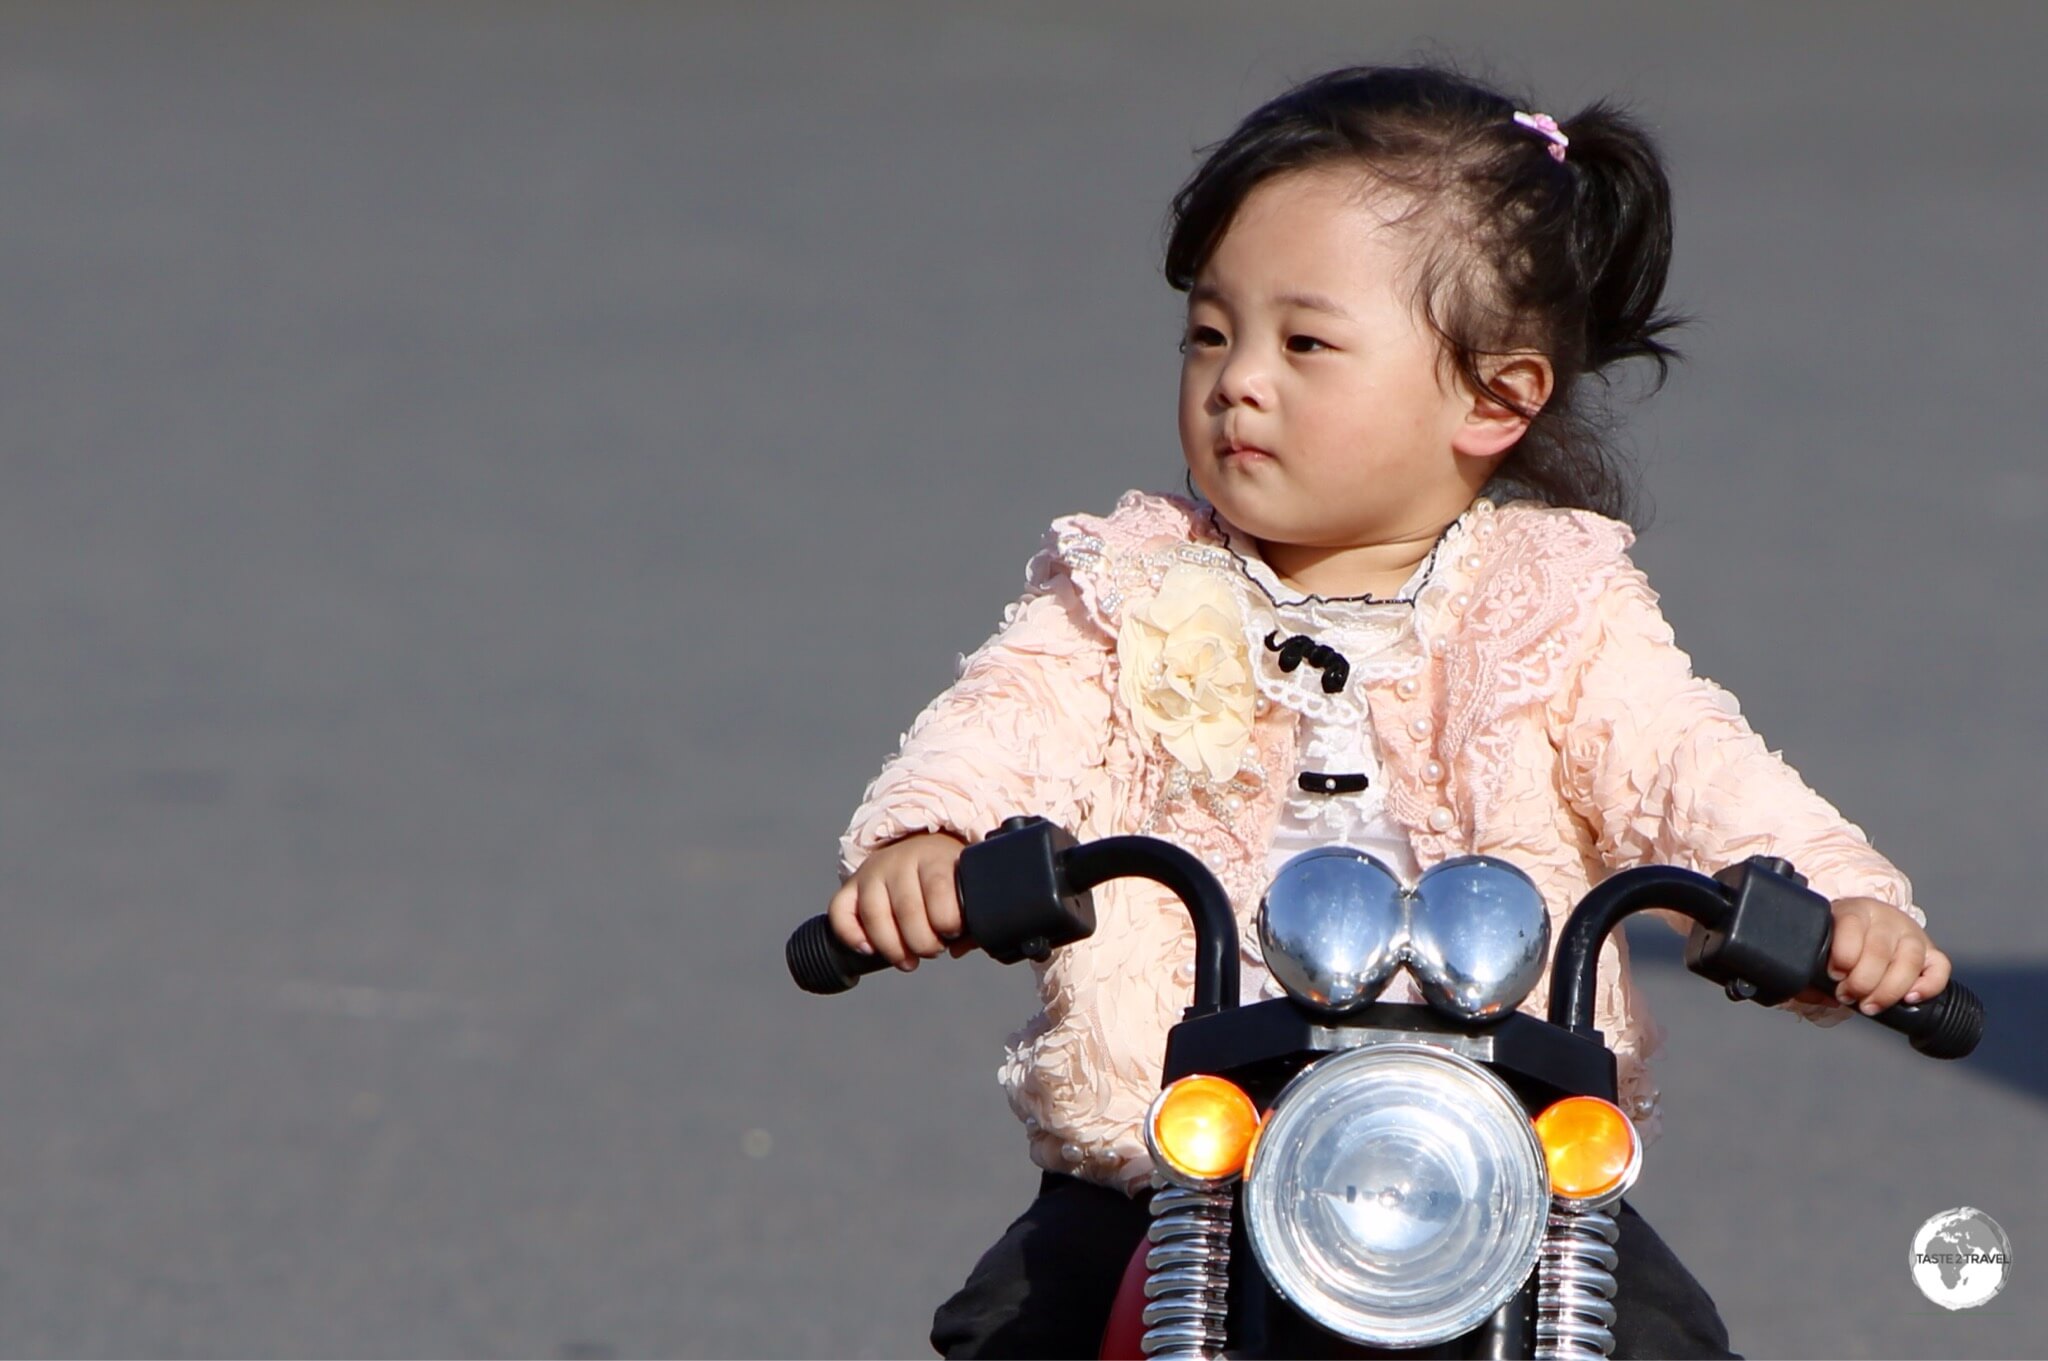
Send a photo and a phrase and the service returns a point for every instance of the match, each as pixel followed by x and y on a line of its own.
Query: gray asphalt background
pixel 483 487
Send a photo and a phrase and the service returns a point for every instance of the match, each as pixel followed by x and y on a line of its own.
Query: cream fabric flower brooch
pixel 1185 671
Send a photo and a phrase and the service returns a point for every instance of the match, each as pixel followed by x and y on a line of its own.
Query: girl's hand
pixel 901 903
pixel 1882 956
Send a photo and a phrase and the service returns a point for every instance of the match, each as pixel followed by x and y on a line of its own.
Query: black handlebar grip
pixel 1946 1026
pixel 822 963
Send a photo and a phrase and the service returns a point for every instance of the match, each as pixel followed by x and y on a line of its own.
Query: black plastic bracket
pixel 1014 899
pixel 1766 948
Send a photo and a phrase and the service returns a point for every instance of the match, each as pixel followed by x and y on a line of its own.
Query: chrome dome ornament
pixel 1332 924
pixel 1478 942
pixel 1336 923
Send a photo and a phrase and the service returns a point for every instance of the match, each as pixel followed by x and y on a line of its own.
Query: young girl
pixel 1400 286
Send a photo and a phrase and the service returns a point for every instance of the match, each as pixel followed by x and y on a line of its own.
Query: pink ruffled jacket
pixel 1552 721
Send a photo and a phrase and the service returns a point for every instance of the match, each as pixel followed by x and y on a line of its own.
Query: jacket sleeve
pixel 1019 731
pixel 1664 768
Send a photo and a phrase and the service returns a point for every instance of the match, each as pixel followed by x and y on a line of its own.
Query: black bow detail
pixel 1324 658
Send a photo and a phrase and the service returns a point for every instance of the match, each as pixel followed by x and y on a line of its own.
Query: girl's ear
pixel 1491 426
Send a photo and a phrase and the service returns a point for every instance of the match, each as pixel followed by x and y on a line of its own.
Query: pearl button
pixel 1408 688
pixel 1433 772
pixel 1486 529
pixel 1460 602
pixel 1437 647
pixel 1418 728
pixel 1471 563
pixel 1186 970
pixel 1070 1152
pixel 1260 705
pixel 1440 819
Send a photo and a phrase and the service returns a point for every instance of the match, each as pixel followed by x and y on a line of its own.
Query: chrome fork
pixel 1189 1266
pixel 1575 1284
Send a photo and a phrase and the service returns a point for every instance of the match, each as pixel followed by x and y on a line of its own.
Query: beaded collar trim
pixel 1257 570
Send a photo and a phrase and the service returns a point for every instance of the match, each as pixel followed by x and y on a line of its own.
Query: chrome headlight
pixel 1335 924
pixel 1397 1195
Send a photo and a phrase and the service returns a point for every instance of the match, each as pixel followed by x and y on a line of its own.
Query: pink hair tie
pixel 1546 125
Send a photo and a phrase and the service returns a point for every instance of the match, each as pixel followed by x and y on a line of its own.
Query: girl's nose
pixel 1243 382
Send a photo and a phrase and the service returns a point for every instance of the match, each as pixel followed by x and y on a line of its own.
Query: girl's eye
pixel 1304 345
pixel 1200 338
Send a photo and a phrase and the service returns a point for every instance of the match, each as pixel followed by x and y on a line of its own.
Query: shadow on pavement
pixel 2015 997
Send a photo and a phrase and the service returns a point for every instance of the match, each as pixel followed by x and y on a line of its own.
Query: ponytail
pixel 1621 239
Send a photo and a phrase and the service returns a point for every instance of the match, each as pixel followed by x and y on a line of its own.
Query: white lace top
pixel 1379 640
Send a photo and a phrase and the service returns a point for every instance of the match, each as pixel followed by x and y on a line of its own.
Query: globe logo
pixel 1961 1258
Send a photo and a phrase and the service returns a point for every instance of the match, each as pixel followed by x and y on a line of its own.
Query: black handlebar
pixel 1026 890
pixel 1758 930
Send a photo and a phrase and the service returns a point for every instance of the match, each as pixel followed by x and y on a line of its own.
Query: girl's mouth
pixel 1244 454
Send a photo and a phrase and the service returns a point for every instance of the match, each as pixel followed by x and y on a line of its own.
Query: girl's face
pixel 1315 411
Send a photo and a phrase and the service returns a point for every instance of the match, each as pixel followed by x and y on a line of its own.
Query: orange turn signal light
pixel 1591 1147
pixel 1202 1128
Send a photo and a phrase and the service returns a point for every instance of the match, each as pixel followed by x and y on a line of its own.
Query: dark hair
pixel 1567 258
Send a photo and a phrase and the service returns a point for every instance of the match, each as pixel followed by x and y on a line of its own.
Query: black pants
pixel 1046 1287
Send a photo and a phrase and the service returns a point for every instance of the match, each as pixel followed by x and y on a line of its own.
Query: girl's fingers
pixel 879 921
pixel 1907 957
pixel 942 906
pixel 1847 947
pixel 1933 977
pixel 906 896
pixel 845 920
pixel 941 898
pixel 1870 968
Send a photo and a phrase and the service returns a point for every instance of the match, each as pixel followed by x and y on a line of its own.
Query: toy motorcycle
pixel 1430 1180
